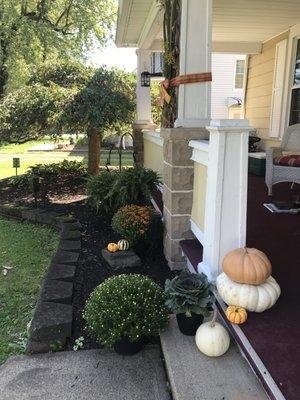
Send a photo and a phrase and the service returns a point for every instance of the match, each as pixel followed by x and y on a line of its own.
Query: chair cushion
pixel 292 160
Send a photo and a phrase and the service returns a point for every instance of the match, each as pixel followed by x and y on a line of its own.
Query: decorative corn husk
pixel 172 15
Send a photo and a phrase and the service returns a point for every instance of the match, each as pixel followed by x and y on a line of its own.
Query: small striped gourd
pixel 123 244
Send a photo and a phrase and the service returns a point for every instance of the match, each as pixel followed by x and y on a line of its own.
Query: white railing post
pixel 226 196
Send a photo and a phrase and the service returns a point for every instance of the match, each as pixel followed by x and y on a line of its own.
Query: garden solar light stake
pixel 16 164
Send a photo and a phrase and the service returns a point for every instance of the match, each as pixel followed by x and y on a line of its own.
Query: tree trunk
pixel 3 68
pixel 94 152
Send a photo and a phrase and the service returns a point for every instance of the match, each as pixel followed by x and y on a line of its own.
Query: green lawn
pixel 26 250
pixel 27 159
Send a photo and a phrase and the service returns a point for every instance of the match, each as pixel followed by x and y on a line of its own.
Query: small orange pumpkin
pixel 112 247
pixel 246 265
pixel 236 315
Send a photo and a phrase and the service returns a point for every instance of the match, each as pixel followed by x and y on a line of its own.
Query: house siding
pixel 258 96
pixel 223 72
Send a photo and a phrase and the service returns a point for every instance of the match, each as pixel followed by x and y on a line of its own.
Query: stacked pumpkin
pixel 246 281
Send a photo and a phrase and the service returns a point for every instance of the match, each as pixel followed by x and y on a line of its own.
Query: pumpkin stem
pixel 213 321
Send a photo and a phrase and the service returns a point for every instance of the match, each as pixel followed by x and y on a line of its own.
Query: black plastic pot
pixel 127 348
pixel 189 325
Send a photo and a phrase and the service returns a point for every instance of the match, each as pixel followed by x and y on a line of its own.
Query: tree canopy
pixel 67 98
pixel 32 31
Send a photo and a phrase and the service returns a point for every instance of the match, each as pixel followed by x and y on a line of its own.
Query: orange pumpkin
pixel 112 247
pixel 246 265
pixel 236 315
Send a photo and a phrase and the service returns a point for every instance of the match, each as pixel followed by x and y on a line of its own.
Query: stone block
pixel 61 272
pixel 70 245
pixel 178 178
pixel 177 153
pixel 11 210
pixel 33 347
pixel 178 202
pixel 65 257
pixel 47 218
pixel 173 253
pixel 121 259
pixel 70 235
pixel 31 214
pixel 71 226
pixel 52 322
pixel 57 292
pixel 177 226
pixel 184 133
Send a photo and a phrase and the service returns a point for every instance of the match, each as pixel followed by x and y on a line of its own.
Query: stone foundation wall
pixel 178 178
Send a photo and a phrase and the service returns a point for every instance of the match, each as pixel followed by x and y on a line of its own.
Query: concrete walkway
pixel 194 376
pixel 85 375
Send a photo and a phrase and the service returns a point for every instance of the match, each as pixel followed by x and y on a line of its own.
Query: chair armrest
pixel 271 153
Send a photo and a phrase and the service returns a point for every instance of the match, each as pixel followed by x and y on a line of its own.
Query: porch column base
pixel 178 177
pixel 138 142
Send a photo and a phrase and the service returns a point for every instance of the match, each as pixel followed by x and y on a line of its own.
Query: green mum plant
pixel 129 306
pixel 189 293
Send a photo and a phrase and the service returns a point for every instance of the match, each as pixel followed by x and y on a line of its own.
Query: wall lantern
pixel 145 79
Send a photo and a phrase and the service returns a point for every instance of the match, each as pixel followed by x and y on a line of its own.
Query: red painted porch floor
pixel 275 334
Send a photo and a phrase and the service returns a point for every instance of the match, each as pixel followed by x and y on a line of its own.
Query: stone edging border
pixel 52 319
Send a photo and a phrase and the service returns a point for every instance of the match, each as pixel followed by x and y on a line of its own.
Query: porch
pixel 204 162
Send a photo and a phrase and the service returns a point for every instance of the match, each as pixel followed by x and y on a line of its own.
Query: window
pixel 295 98
pixel 239 74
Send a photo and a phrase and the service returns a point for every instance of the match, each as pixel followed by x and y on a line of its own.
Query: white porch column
pixel 226 195
pixel 143 94
pixel 194 100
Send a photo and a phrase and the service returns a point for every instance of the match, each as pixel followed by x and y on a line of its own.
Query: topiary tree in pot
pixel 190 297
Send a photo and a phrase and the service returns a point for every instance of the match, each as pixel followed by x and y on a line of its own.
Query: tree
pixel 104 103
pixel 69 98
pixel 32 31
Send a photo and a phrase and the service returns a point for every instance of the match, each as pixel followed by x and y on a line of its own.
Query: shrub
pixel 189 293
pixel 133 186
pixel 125 306
pixel 132 222
pixel 98 189
pixel 112 191
pixel 63 169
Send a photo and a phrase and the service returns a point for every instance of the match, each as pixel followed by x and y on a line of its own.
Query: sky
pixel 124 58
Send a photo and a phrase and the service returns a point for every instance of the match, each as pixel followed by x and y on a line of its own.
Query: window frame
pixel 239 73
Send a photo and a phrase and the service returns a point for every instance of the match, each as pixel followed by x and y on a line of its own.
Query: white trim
pixel 191 123
pixel 153 137
pixel 197 232
pixel 277 90
pixel 254 356
pixel 237 47
pixel 151 27
pixel 206 269
pixel 200 151
pixel 291 53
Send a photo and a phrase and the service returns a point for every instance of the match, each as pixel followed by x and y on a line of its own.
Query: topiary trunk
pixel 94 141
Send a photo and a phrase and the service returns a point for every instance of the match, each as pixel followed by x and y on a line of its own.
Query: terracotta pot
pixel 189 325
pixel 125 347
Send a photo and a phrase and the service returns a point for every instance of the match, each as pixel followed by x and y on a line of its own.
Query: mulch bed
pixel 92 269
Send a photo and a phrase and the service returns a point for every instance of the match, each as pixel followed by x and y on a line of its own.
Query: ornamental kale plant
pixel 189 293
pixel 130 306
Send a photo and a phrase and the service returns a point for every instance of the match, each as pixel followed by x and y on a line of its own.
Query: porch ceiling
pixel 239 21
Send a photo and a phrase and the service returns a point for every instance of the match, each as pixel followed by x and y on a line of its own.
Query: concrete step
pixel 85 375
pixel 194 376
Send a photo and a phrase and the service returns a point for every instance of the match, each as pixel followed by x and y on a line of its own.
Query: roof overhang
pixel 239 26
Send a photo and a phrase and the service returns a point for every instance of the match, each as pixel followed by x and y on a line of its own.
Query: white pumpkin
pixel 212 339
pixel 257 298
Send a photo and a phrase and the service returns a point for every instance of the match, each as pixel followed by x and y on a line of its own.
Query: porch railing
pixel 153 151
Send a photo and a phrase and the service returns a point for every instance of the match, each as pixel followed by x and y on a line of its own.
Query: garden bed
pixel 92 269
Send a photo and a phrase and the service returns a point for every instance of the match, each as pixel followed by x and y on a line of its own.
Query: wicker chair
pixel 280 168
